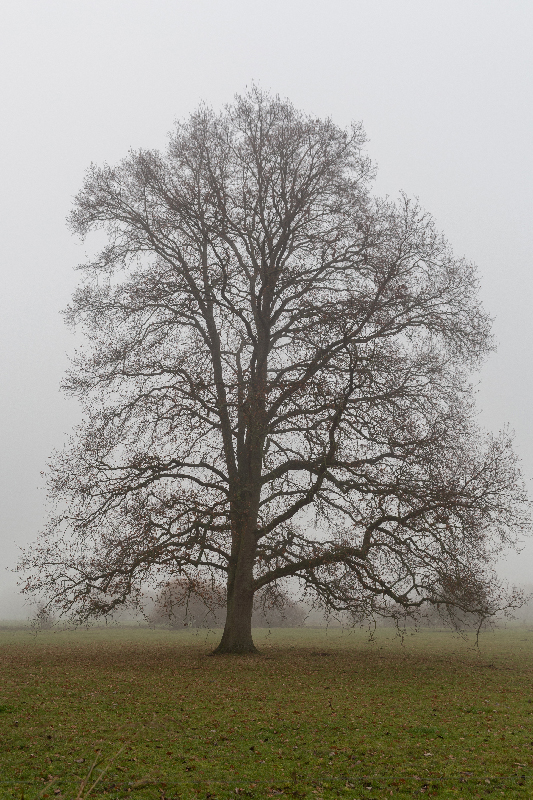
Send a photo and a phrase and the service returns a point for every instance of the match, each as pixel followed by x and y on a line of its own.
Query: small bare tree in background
pixel 43 620
pixel 276 383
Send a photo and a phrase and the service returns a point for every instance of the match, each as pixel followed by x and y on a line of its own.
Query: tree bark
pixel 237 636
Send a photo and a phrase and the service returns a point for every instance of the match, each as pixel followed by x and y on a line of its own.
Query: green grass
pixel 317 715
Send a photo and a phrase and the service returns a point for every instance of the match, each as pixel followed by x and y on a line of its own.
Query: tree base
pixel 235 649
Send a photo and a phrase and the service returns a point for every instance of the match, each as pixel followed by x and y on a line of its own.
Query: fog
pixel 443 90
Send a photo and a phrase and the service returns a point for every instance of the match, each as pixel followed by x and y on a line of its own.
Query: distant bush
pixel 276 610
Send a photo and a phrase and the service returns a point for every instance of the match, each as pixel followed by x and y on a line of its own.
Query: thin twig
pixel 86 779
pixel 103 772
pixel 43 790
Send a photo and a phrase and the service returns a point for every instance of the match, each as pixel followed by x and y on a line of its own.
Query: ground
pixel 318 714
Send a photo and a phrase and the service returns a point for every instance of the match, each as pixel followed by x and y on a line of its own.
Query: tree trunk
pixel 246 491
pixel 237 636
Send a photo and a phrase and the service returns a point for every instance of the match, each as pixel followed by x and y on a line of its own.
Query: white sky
pixel 444 89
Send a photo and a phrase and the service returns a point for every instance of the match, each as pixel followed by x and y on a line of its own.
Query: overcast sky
pixel 444 89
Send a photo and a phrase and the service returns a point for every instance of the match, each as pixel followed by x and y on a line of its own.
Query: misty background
pixel 444 90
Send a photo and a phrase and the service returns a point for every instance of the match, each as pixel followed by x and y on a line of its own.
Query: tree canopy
pixel 277 385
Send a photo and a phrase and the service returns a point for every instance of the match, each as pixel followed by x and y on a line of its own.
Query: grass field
pixel 318 714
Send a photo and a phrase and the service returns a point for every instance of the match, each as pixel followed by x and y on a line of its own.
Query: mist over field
pixel 443 91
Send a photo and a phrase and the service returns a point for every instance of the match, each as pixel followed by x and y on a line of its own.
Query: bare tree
pixel 276 385
pixel 43 619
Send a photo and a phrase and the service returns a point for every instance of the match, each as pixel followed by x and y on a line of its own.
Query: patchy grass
pixel 317 715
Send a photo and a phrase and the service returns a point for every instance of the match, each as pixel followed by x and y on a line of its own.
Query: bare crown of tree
pixel 276 384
